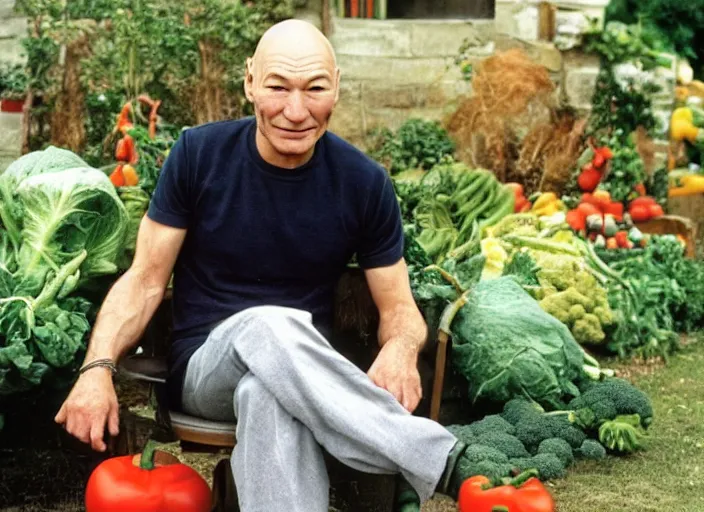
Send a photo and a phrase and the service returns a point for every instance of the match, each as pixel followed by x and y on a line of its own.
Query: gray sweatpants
pixel 291 392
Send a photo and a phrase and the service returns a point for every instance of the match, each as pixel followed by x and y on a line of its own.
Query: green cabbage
pixel 505 346
pixel 62 224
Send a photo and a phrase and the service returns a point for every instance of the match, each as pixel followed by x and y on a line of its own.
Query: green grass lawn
pixel 669 475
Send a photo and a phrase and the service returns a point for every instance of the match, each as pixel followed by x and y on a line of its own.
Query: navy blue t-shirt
pixel 263 235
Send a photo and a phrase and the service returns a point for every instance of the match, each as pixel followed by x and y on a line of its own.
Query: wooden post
pixel 439 379
pixel 546 21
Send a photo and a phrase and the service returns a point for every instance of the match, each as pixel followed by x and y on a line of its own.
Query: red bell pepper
pixel 147 484
pixel 616 209
pixel 117 177
pixel 576 219
pixel 525 493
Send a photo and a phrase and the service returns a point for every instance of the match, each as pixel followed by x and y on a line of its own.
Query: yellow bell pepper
pixel 546 204
pixel 690 184
pixel 682 126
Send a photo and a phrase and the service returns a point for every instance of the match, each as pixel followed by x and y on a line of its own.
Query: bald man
pixel 257 219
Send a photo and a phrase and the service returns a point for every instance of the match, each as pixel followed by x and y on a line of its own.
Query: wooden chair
pixel 356 321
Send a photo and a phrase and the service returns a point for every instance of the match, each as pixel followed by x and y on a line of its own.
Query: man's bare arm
pixel 399 317
pixel 133 299
pixel 125 313
pixel 402 333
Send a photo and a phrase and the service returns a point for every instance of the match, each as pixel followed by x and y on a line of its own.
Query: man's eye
pixel 317 88
pixel 276 88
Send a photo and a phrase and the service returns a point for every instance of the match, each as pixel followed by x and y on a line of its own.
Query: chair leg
pixel 224 491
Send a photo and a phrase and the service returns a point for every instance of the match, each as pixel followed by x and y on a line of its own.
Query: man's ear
pixel 338 73
pixel 248 80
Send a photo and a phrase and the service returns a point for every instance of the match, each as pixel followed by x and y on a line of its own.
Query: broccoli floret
pixel 587 329
pixel 549 466
pixel 613 397
pixel 505 443
pixel 531 434
pixel 462 432
pixel 480 452
pixel 602 408
pixel 492 423
pixel 627 399
pixel 465 469
pixel 523 464
pixel 591 450
pixel 518 411
pixel 560 448
pixel 564 429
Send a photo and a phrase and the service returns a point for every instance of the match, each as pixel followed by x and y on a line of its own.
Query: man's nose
pixel 295 110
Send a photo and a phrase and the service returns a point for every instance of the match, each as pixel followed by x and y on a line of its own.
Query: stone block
pixel 371 38
pixel 446 93
pixel 517 19
pixel 7 9
pixel 393 118
pixel 540 52
pixel 10 134
pixel 578 59
pixel 11 51
pixel 397 70
pixel 579 86
pixel 444 39
pixel 377 94
pixel 13 27
pixel 350 90
pixel 347 121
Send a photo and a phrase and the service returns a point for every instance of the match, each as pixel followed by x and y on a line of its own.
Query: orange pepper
pixel 130 175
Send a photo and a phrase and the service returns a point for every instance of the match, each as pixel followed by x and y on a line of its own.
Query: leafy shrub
pixel 418 143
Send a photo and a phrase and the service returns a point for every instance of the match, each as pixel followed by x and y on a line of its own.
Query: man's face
pixel 294 90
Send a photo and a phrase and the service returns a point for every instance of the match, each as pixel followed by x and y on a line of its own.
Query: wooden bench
pixel 356 321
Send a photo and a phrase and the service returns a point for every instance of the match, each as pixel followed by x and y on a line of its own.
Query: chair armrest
pixel 145 368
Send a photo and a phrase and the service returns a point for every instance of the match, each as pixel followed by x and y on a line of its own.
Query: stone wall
pixel 396 69
pixel 12 28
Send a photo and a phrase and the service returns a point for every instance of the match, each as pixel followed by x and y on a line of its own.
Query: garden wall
pixel 395 69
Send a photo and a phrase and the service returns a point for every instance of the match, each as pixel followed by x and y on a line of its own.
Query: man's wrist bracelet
pixel 103 363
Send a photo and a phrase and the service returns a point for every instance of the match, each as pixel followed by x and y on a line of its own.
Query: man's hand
pixel 395 369
pixel 91 404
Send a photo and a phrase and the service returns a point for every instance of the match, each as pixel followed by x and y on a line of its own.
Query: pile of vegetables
pixel 63 227
pixel 450 205
pixel 611 416
pixel 604 222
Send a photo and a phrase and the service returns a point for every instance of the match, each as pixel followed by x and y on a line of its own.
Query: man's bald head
pixel 293 82
pixel 295 39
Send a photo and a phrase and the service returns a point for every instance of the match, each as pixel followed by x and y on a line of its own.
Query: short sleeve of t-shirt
pixel 171 203
pixel 382 233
